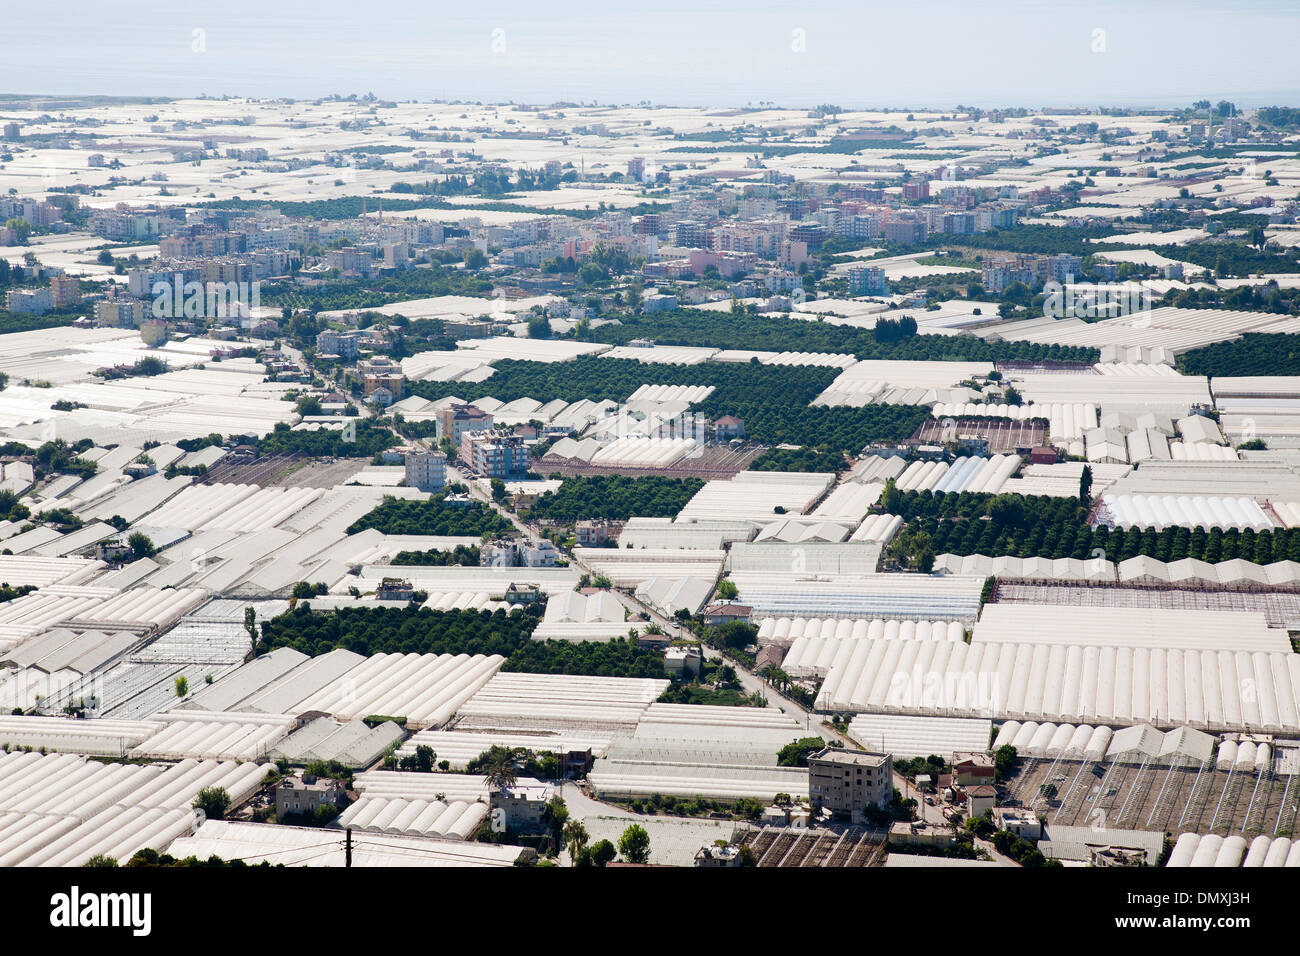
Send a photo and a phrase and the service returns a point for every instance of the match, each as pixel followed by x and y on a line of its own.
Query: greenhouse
pixel 1214 691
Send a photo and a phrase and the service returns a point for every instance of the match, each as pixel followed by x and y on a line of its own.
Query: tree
pixel 1085 484
pixel 795 753
pixel 141 545
pixel 182 686
pixel 425 756
pixel 575 838
pixel 539 327
pixel 1007 511
pixel 727 590
pixel 634 297
pixel 213 801
pixel 21 228
pixel 100 860
pixel 1004 761
pixel 500 769
pixel 498 490
pixel 250 625
pixel 634 844
pixel 602 852
pixel 890 497
pixel 556 813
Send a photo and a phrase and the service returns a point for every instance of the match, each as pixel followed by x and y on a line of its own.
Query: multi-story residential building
pixel 426 469
pixel 65 291
pixel 782 281
pixel 1065 267
pixel 382 373
pixel 596 534
pixel 691 234
pixel 759 239
pixel 959 223
pixel 858 225
pixel 917 190
pixel 29 301
pixel 343 344
pixel 904 230
pixel 455 420
pixel 495 454
pixel 812 233
pixel 867 280
pixel 521 806
pixel 972 767
pixel 125 226
pixel 847 782
pixel 154 332
pixel 119 313
pixel 351 260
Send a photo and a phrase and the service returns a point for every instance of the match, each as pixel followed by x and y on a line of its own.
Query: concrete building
pixel 455 420
pixel 426 469
pixel 980 800
pixel 303 793
pixel 867 280
pixel 1021 821
pixel 847 782
pixel 29 301
pixel 596 534
pixel 154 332
pixel 351 261
pixel 514 554
pixel 971 769
pixel 717 856
pixel 382 373
pixel 343 344
pixel 683 659
pixel 521 807
pixel 728 427
pixel 65 291
pixel 495 454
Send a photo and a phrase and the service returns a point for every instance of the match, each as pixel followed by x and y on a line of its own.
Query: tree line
pixel 615 498
pixel 432 516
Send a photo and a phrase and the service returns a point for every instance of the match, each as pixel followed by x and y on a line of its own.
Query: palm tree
pixel 501 772
pixel 575 838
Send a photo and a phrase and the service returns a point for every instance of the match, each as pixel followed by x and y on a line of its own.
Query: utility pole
pixel 347 849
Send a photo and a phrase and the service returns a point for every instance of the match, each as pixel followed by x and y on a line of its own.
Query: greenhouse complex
pixel 791 484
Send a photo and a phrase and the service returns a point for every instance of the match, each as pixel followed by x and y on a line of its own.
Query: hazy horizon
pixel 1013 53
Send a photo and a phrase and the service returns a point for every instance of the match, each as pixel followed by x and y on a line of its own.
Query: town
pixel 446 483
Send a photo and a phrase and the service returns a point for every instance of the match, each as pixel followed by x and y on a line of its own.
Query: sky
pixel 854 53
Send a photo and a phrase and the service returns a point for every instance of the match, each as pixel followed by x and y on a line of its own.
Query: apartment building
pixel 495 454
pixel 867 280
pixel 29 301
pixel 847 782
pixel 119 313
pixel 65 291
pixel 455 420
pixel 426 469
pixel 345 345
